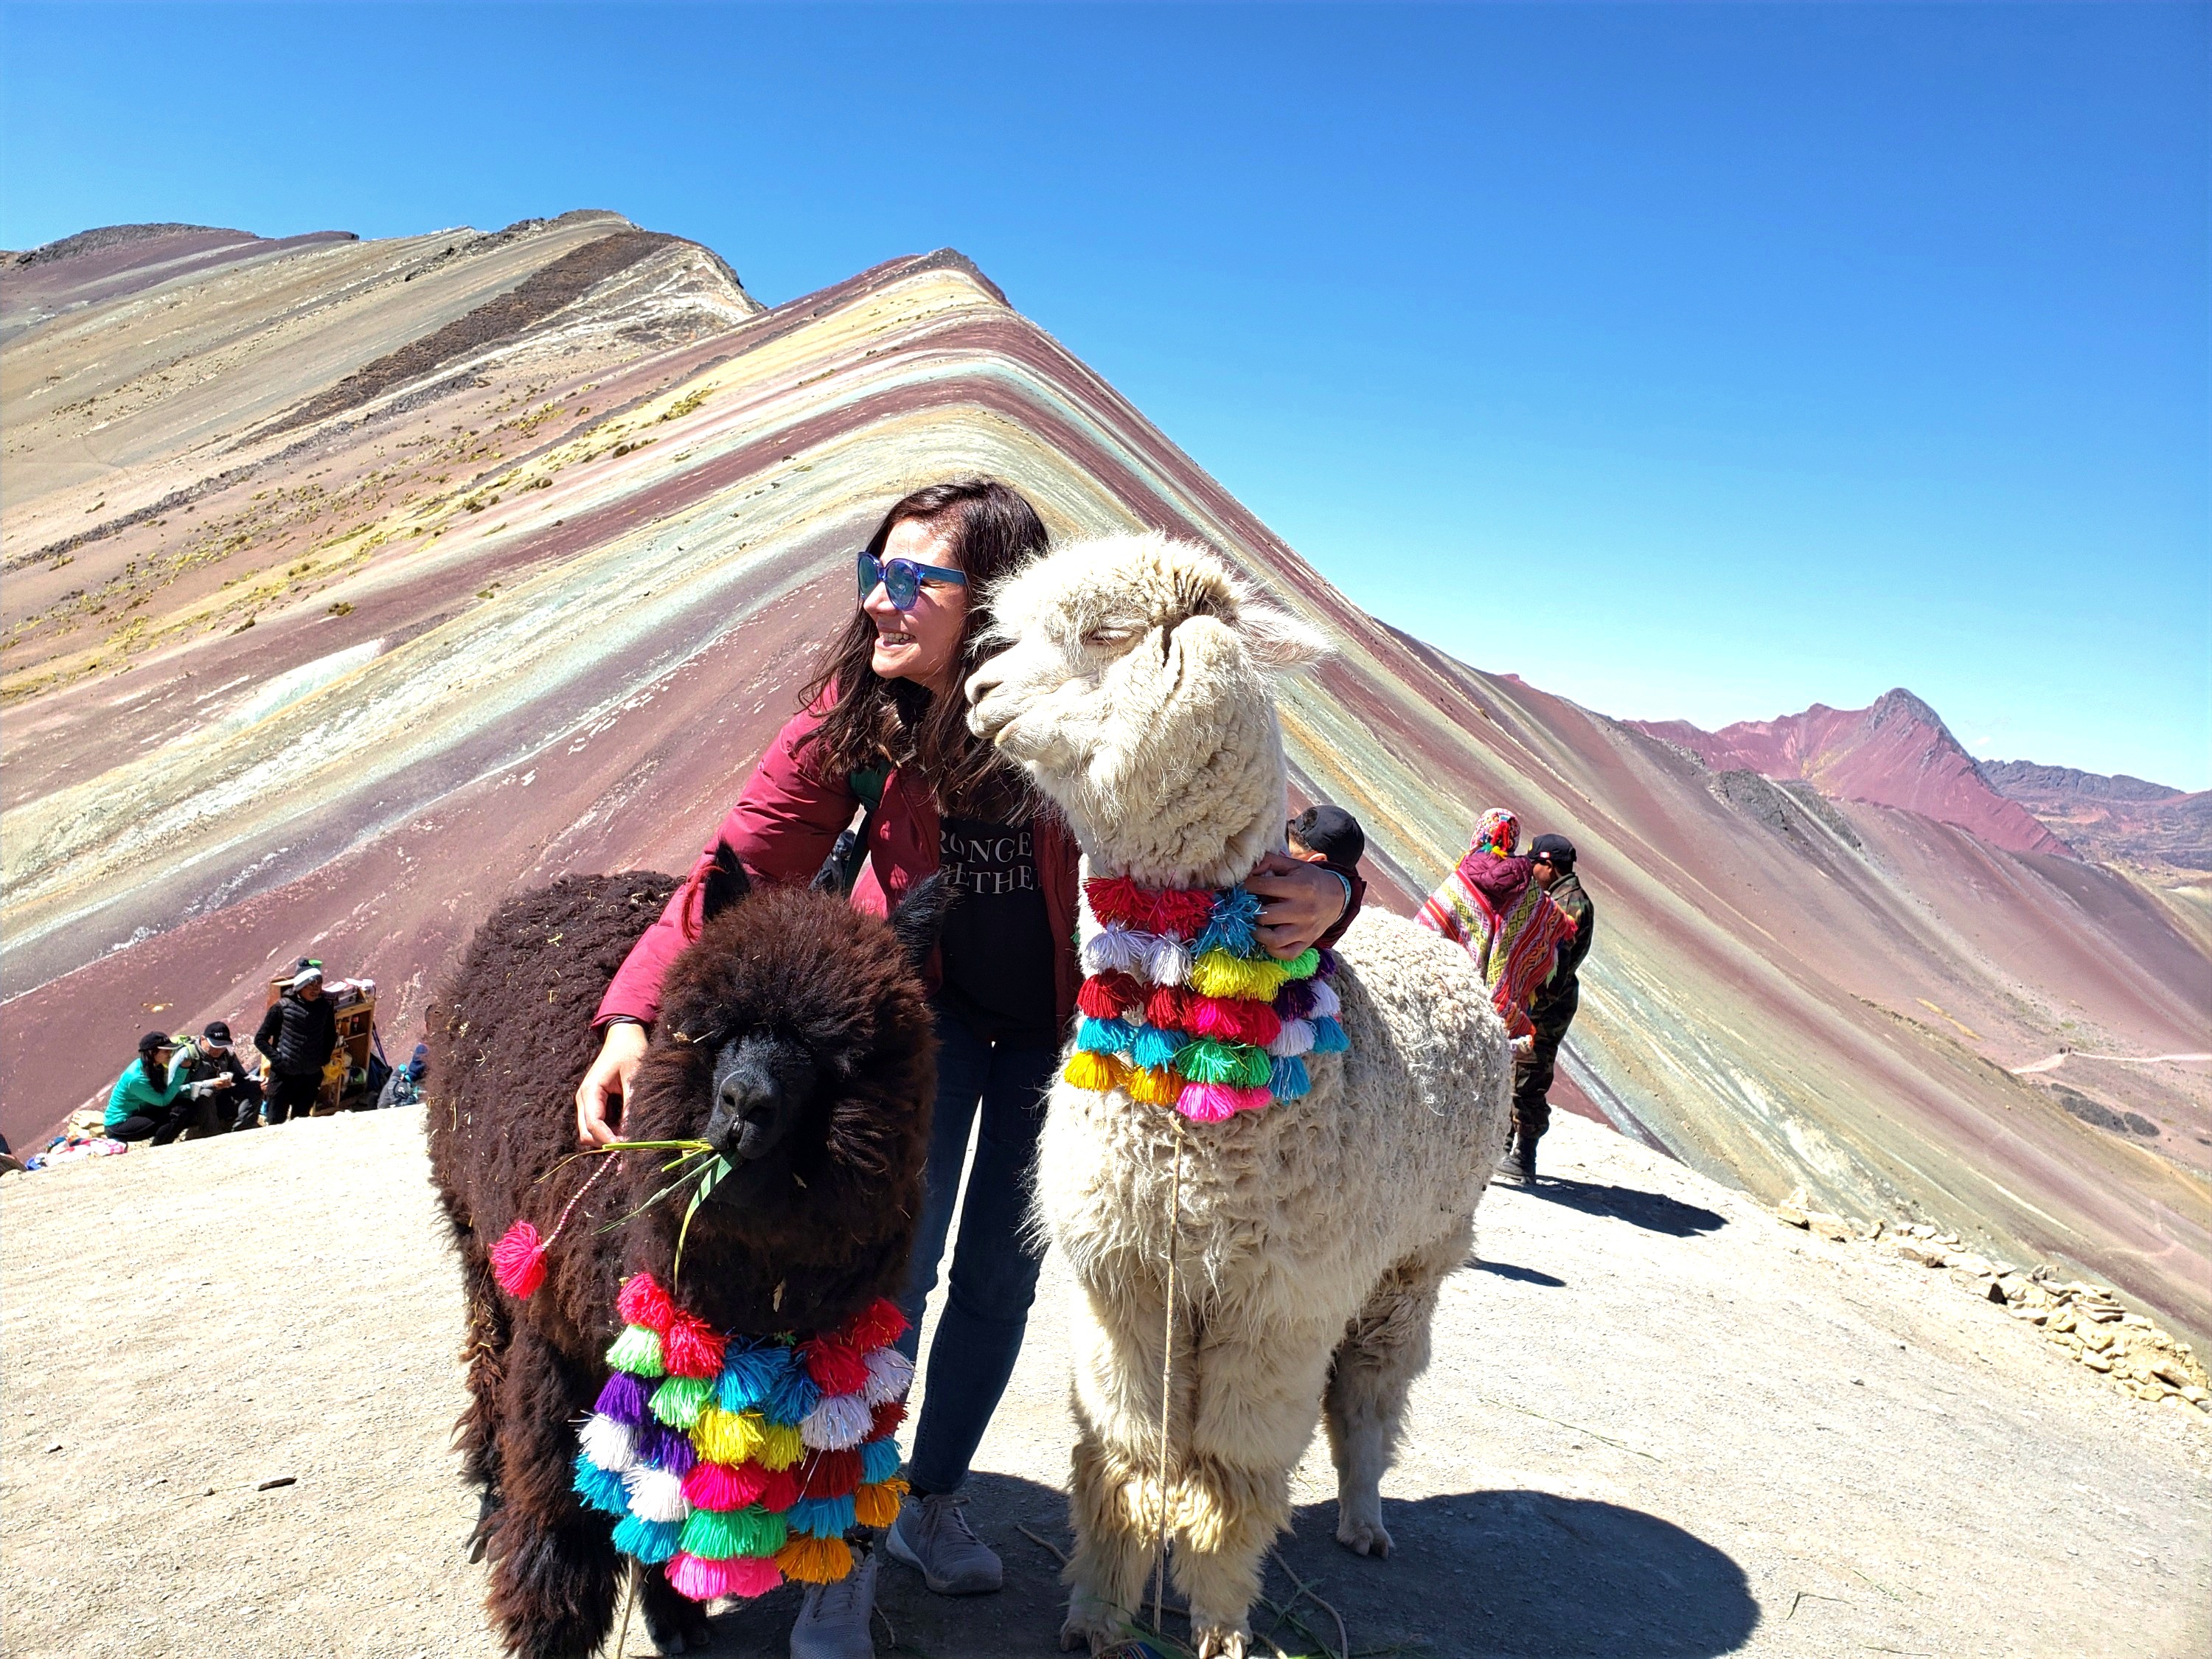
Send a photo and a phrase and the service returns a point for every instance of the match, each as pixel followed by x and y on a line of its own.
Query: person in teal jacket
pixel 146 1103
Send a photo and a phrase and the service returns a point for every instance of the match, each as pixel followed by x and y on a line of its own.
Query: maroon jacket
pixel 784 825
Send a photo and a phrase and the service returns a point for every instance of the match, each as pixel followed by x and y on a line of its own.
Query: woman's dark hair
pixel 993 529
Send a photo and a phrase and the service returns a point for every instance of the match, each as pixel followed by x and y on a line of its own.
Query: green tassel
pixel 678 1401
pixel 1305 965
pixel 719 1534
pixel 1211 1061
pixel 636 1350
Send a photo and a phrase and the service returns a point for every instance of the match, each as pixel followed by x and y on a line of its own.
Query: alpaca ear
pixel 1277 640
pixel 727 883
pixel 920 917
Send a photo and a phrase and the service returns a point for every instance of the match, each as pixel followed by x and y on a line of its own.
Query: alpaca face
pixel 763 1083
pixel 1133 689
pixel 795 1039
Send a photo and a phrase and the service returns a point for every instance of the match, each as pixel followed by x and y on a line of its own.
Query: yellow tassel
pixel 721 1437
pixel 815 1560
pixel 1088 1071
pixel 1218 974
pixel 1154 1086
pixel 878 1505
pixel 780 1446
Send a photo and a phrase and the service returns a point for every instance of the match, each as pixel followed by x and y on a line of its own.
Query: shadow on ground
pixel 1653 1211
pixel 1473 1573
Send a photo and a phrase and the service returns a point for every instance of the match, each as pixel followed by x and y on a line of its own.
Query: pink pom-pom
pixel 642 1302
pixel 1257 1099
pixel 691 1348
pixel 1207 1102
pixel 721 1487
pixel 744 1575
pixel 517 1260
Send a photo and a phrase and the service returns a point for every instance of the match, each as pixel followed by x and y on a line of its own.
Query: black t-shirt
pixel 997 943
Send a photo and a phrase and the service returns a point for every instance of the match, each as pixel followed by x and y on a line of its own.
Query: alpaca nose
pixel 743 1107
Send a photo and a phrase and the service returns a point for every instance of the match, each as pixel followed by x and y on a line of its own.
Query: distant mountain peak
pixel 1896 751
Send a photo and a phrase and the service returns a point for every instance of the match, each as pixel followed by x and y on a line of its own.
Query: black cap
pixel 1330 831
pixel 1557 849
pixel 217 1030
pixel 153 1040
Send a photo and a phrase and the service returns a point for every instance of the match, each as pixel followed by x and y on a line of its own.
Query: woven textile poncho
pixel 1492 907
pixel 736 1463
pixel 1182 1006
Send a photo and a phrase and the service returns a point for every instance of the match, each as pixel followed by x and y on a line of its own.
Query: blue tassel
pixel 1329 1037
pixel 1230 927
pixel 793 1395
pixel 821 1517
pixel 1155 1048
pixel 1104 1037
pixel 1290 1081
pixel 749 1376
pixel 600 1489
pixel 651 1542
pixel 879 1462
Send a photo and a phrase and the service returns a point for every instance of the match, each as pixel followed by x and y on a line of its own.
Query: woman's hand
pixel 1299 903
pixel 600 1096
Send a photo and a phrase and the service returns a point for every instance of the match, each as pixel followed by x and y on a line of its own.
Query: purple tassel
pixel 1296 999
pixel 624 1398
pixel 667 1449
pixel 1328 968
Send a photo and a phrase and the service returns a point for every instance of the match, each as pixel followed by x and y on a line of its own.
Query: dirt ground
pixel 1658 1423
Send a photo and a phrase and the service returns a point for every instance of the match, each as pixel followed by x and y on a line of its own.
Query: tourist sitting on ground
pixel 211 1058
pixel 404 1087
pixel 147 1102
pixel 297 1037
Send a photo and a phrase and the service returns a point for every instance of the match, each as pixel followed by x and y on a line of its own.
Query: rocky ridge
pixel 2088 1322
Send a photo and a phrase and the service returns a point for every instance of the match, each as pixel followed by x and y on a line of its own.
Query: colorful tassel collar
pixel 1183 1005
pixel 737 1463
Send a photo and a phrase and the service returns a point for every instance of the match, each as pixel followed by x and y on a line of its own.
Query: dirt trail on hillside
pixel 1658 1422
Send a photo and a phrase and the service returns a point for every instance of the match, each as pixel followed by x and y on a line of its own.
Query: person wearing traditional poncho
pixel 1494 907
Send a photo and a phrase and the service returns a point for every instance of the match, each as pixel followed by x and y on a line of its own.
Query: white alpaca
pixel 1313 1234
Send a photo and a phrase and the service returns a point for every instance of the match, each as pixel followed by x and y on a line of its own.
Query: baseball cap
pixel 1557 849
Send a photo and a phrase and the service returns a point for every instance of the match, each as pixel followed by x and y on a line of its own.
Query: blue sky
pixel 1689 361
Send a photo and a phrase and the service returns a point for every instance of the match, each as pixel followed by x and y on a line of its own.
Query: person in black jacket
pixel 297 1036
pixel 210 1058
pixel 1554 1010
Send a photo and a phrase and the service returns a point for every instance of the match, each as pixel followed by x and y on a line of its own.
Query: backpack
pixel 842 867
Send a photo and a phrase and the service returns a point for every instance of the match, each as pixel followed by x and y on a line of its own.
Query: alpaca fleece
pixel 1313 1236
pixel 510 1041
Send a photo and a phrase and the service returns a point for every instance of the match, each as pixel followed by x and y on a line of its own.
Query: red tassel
pixel 517 1260
pixel 779 1489
pixel 1232 1020
pixel 836 1367
pixel 1164 1008
pixel 642 1302
pixel 1103 996
pixel 888 1417
pixel 830 1474
pixel 876 1326
pixel 691 1348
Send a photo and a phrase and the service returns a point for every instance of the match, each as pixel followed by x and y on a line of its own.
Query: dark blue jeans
pixel 994 1262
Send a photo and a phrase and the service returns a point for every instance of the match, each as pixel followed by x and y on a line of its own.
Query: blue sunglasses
pixel 903 578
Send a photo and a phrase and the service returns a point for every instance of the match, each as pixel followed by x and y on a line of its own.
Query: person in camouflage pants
pixel 1554 1010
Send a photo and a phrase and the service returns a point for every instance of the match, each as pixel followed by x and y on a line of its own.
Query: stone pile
pixel 2086 1319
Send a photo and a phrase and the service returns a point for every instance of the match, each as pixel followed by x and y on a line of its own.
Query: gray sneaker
pixel 933 1536
pixel 833 1619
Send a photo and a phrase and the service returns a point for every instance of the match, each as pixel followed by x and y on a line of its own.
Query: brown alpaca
pixel 795 1036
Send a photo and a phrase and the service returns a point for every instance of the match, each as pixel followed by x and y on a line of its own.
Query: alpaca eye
pixel 1112 638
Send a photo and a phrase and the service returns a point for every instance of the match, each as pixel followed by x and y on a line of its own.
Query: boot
pixel 1524 1153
